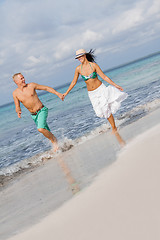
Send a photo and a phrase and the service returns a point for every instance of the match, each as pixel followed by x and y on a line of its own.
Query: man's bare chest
pixel 26 95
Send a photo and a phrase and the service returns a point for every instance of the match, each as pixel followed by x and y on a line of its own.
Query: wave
pixel 139 111
pixel 9 172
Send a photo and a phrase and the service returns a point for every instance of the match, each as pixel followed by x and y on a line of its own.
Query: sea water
pixel 74 121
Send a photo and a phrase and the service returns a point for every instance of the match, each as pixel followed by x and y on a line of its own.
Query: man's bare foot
pixel 55 146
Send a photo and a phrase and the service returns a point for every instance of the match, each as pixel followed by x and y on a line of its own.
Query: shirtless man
pixel 26 94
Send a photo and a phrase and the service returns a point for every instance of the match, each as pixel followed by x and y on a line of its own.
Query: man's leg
pixel 114 130
pixel 42 126
pixel 50 136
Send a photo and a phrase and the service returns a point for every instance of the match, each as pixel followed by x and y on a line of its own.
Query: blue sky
pixel 39 38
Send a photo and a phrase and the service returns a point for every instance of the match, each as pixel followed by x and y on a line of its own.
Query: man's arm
pixel 48 89
pixel 17 105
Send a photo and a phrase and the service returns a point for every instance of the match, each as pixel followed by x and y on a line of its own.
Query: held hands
pixel 19 114
pixel 60 95
pixel 64 95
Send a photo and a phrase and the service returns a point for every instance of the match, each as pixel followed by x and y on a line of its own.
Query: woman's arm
pixel 73 83
pixel 105 78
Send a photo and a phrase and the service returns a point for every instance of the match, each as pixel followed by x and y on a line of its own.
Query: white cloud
pixel 128 20
pixel 43 35
pixel 35 61
pixel 90 36
pixel 67 46
pixel 154 8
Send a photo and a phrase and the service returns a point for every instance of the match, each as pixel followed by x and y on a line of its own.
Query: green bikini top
pixel 92 75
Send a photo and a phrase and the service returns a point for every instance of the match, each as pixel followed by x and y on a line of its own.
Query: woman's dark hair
pixel 90 56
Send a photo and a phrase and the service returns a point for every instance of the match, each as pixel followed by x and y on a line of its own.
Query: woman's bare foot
pixel 119 138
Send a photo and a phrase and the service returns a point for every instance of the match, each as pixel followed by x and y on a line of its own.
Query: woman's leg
pixel 112 122
pixel 114 130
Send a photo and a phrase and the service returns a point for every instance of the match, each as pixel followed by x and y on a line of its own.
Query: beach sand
pixel 121 203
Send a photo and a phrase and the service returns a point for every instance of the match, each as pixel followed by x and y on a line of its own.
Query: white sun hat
pixel 80 53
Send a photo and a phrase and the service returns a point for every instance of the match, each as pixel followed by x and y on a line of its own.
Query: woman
pixel 105 100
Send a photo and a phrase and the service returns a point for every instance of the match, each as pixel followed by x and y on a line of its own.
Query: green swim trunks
pixel 41 118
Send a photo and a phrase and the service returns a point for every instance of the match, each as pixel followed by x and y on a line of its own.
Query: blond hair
pixel 15 75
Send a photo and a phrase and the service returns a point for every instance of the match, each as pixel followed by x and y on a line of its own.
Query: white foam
pixel 147 107
pixel 66 144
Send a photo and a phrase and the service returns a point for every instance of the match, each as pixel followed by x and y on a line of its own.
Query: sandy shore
pixel 122 203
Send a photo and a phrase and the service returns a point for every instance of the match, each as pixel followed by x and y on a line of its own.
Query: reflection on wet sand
pixel 119 138
pixel 72 182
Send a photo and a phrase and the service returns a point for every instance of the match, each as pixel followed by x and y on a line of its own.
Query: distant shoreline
pixel 105 71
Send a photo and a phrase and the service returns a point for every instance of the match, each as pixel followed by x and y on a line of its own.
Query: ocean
pixel 74 121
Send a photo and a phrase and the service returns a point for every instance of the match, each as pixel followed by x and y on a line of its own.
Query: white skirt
pixel 106 100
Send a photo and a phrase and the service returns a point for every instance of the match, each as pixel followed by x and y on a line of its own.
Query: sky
pixel 39 38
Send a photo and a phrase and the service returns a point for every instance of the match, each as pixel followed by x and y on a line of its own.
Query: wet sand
pixel 115 198
pixel 122 203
